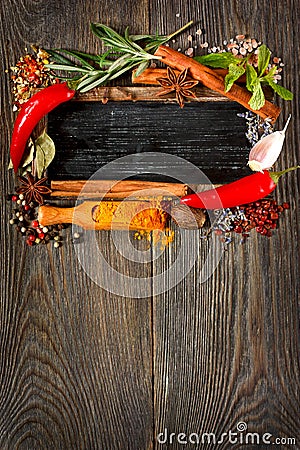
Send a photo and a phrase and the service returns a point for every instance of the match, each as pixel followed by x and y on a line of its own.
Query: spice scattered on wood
pixel 25 219
pixel 261 216
pixel 30 72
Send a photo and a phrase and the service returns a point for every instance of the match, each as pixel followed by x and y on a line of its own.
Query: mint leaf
pixel 280 90
pixel 234 73
pixel 264 55
pixel 218 60
pixel 258 98
pixel 251 77
pixel 269 75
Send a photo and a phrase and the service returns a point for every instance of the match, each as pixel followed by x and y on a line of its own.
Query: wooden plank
pixel 76 361
pixel 225 351
pixel 144 94
pixel 89 135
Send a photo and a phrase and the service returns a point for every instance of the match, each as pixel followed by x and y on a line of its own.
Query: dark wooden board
pixel 89 135
pixel 81 368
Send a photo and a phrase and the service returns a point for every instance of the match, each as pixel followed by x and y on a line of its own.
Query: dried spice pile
pixel 261 216
pixel 131 214
pixel 30 72
pixel 29 195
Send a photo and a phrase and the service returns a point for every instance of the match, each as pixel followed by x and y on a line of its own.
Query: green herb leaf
pixel 281 91
pixel 45 152
pixel 94 82
pixel 251 77
pixel 218 60
pixel 234 73
pixel 67 68
pixel 59 58
pixel 143 66
pixel 264 55
pixel 257 100
pixel 81 57
pixel 269 75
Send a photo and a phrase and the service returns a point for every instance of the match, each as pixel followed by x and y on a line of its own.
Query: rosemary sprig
pixel 124 54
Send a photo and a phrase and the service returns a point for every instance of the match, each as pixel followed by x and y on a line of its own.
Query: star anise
pixel 178 84
pixel 33 190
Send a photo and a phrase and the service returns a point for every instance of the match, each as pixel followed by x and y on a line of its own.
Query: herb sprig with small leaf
pixel 125 53
pixel 255 79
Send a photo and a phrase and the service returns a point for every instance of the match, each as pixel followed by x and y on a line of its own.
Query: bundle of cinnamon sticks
pixel 213 79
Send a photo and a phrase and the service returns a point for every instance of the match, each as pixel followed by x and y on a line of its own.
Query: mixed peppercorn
pixel 29 195
pixel 261 216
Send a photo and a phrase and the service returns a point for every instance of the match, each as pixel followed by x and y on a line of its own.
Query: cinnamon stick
pixel 149 76
pixel 212 80
pixel 115 189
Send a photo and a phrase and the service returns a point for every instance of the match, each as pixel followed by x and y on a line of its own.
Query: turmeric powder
pixel 145 215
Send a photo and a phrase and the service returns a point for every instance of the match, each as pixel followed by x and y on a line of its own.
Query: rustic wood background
pixel 85 369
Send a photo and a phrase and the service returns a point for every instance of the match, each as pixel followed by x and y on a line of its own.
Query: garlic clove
pixel 266 151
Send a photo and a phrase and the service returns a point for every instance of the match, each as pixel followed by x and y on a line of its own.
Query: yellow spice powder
pixel 137 215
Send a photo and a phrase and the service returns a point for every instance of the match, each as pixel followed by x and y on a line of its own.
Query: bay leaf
pixel 45 152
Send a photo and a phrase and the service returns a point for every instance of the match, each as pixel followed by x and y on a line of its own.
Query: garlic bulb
pixel 266 151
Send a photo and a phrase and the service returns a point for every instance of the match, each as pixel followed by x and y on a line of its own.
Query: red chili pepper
pixel 32 112
pixel 246 190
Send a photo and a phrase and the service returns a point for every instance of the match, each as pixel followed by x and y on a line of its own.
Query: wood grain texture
pixel 225 350
pixel 69 350
pixel 84 369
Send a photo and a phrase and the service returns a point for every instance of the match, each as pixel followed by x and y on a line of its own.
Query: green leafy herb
pixel 251 77
pixel 264 55
pixel 124 54
pixel 280 90
pixel 257 100
pixel 45 152
pixel 85 72
pixel 218 60
pixel 234 73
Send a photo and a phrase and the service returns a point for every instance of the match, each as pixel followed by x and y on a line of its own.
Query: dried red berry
pixel 35 223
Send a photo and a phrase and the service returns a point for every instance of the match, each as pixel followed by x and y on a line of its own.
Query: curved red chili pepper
pixel 32 112
pixel 246 190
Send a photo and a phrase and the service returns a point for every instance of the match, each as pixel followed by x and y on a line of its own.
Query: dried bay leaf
pixel 45 152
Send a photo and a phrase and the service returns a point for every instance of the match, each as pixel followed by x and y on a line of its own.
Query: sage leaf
pixel 257 100
pixel 264 55
pixel 251 77
pixel 45 152
pixel 234 73
pixel 280 90
pixel 218 60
